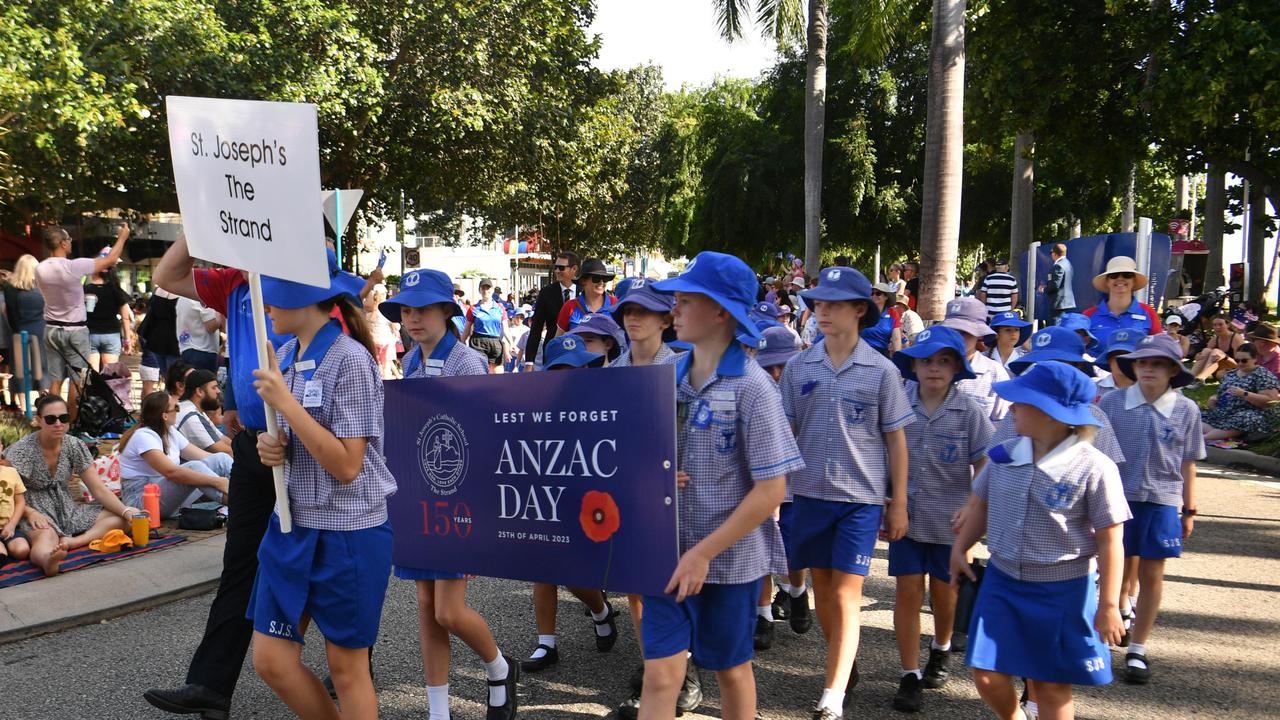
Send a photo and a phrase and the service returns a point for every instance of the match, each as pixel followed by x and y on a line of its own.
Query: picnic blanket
pixel 24 572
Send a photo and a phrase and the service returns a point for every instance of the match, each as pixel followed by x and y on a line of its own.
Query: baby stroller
pixel 99 408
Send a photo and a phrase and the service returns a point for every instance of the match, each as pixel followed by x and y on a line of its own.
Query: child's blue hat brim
pixel 1019 366
pixel 770 357
pixel 1054 343
pixel 645 297
pixel 419 289
pixel 929 342
pixel 1077 322
pixel 1061 391
pixel 1001 320
pixel 723 278
pixel 570 351
pixel 290 295
pixel 839 284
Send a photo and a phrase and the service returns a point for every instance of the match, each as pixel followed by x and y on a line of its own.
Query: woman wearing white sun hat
pixel 1120 280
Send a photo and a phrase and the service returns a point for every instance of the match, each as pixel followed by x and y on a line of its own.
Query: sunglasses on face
pixel 597 279
pixel 63 419
pixel 561 268
pixel 1122 276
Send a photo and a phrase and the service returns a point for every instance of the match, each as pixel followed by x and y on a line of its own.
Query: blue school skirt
pixel 336 577
pixel 1038 630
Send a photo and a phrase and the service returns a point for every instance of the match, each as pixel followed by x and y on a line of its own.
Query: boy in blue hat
pixel 968 316
pixel 646 316
pixel 946 445
pixel 736 449
pixel 1118 343
pixel 1012 333
pixel 1082 326
pixel 602 335
pixel 1162 435
pixel 848 407
pixel 1050 504
pixel 425 309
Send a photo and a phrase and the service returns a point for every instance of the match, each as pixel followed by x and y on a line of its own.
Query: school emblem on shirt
pixel 442 454
pixel 855 412
pixel 1058 497
pixel 950 452
pixel 1166 434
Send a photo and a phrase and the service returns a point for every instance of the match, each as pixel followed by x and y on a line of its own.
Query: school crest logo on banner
pixel 442 454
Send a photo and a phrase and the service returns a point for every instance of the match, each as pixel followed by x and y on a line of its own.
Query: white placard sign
pixel 248 179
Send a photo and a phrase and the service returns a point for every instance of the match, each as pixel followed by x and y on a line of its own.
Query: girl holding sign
pixel 332 569
pixel 425 309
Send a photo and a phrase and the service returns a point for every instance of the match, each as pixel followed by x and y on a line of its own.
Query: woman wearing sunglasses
pixel 1121 310
pixel 592 296
pixel 154 451
pixel 46 459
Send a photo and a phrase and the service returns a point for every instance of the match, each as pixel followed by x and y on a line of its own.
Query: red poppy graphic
pixel 599 517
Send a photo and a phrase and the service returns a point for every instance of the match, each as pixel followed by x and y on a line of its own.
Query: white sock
pixel 602 630
pixel 549 641
pixel 438 701
pixel 784 587
pixel 832 700
pixel 917 672
pixel 1139 649
pixel 497 670
pixel 1133 602
pixel 943 648
pixel 796 590
pixel 1125 606
pixel 766 612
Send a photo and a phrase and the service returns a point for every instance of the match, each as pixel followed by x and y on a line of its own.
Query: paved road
pixel 1213 654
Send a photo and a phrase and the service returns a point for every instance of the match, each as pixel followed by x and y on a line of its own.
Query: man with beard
pixel 201 396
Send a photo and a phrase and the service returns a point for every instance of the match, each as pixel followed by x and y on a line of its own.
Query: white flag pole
pixel 260 339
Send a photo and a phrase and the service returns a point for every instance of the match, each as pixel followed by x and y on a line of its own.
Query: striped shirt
pixel 1041 516
pixel 941 449
pixel 1000 288
pixel 841 416
pixel 665 353
pixel 1105 441
pixel 731 434
pixel 1158 437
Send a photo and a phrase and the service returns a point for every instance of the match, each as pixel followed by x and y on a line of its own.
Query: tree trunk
pixel 1182 191
pixel 1077 228
pixel 1129 201
pixel 815 111
pixel 1020 226
pixel 1256 246
pixel 1215 207
pixel 943 160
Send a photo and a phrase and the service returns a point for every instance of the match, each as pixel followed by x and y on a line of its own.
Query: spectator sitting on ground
pixel 1173 327
pixel 175 379
pixel 13 505
pixel 1243 403
pixel 1215 358
pixel 153 451
pixel 200 397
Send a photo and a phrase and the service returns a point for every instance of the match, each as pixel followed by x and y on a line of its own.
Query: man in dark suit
pixel 550 300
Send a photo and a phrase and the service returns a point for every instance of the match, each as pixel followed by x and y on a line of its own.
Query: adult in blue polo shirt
pixel 1121 310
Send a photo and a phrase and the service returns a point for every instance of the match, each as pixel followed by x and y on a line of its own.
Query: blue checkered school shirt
pixel 449 358
pixel 841 417
pixel 731 434
pixel 941 450
pixel 1041 517
pixel 665 353
pixel 1158 437
pixel 350 407
pixel 989 373
pixel 1106 440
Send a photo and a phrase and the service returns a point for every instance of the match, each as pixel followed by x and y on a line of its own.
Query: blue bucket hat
pixel 723 278
pixel 1077 322
pixel 603 324
pixel 626 285
pixel 1010 319
pixel 421 288
pixel 1123 340
pixel 766 310
pixel 839 283
pixel 1059 390
pixel 777 346
pixel 1053 343
pixel 643 295
pixel 1157 346
pixel 569 351
pixel 290 295
pixel 930 341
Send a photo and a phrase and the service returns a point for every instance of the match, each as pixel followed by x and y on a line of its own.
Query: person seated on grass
pixel 54 523
pixel 1216 357
pixel 200 397
pixel 153 451
pixel 13 505
pixel 1243 405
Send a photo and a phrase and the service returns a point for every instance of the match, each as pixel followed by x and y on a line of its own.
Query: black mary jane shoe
pixel 537 664
pixel 507 710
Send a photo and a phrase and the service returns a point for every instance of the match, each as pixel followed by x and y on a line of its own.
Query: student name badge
pixel 312 395
pixel 304 366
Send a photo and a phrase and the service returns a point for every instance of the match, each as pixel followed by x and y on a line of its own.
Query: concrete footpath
pixel 109 590
pixel 1243 458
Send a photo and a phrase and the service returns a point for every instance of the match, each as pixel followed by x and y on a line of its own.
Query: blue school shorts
pixel 833 535
pixel 1154 533
pixel 1038 630
pixel 912 557
pixel 337 578
pixel 716 625
pixel 786 514
pixel 408 573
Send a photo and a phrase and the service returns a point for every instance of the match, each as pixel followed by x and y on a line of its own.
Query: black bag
pixel 967 596
pixel 190 518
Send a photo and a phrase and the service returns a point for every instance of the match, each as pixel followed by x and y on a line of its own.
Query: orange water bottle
pixel 151 503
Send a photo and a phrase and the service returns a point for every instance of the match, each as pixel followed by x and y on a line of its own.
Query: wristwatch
pixel 1189 512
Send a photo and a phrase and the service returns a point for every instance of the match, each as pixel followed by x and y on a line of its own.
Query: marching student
pixel 968 316
pixel 602 335
pixel 1161 432
pixel 1009 342
pixel 332 569
pixel 849 409
pixel 1050 503
pixel 1118 343
pixel 736 450
pixel 425 309
pixel 946 445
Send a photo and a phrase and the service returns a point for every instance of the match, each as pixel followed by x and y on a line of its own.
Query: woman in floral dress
pixel 1243 405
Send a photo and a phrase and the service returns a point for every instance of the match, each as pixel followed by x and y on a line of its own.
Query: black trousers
pixel 217 662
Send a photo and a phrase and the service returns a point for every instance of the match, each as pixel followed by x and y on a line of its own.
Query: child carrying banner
pixel 946 445
pixel 332 569
pixel 736 449
pixel 425 309
pixel 849 410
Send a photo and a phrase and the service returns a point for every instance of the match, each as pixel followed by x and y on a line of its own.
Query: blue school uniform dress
pixel 941 450
pixel 731 434
pixel 988 372
pixel 1033 616
pixel 840 417
pixel 1159 437
pixel 665 353
pixel 449 358
pixel 1106 441
pixel 335 563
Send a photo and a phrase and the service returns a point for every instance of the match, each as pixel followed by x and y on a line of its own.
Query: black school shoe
pixel 1137 675
pixel 800 615
pixel 763 638
pixel 605 643
pixel 936 671
pixel 536 664
pixel 781 605
pixel 826 714
pixel 190 700
pixel 1127 619
pixel 506 711
pixel 910 695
